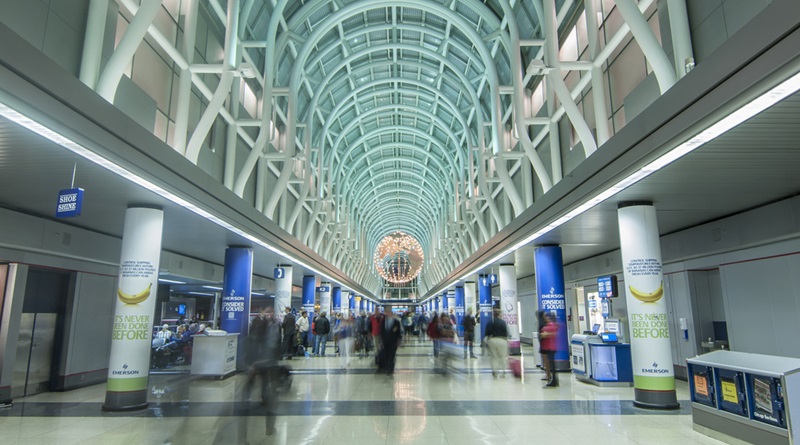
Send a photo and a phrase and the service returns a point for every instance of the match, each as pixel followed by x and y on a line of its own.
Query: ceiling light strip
pixel 44 131
pixel 752 108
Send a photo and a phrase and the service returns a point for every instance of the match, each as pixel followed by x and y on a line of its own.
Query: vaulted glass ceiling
pixel 397 109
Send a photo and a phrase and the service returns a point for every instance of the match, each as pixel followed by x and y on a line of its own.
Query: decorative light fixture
pixel 398 258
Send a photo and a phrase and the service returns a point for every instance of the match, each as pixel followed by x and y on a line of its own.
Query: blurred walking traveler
pixel 469 333
pixel 496 342
pixel 547 339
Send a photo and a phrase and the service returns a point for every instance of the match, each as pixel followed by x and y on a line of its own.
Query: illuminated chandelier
pixel 398 258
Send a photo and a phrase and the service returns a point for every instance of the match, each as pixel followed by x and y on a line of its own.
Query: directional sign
pixel 280 272
pixel 323 289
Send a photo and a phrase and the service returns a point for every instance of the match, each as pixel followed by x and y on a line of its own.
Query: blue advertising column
pixel 484 302
pixel 309 292
pixel 236 281
pixel 352 305
pixel 460 311
pixel 549 267
pixel 336 296
pixel 436 305
pixel 362 306
pixel 445 302
pixel 135 303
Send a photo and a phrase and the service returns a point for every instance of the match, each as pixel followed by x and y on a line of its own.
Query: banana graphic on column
pixel 135 298
pixel 648 297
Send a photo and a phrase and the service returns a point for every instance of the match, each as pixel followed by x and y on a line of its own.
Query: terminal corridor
pixel 331 405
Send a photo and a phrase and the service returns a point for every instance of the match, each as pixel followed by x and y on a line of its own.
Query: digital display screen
pixel 607 286
pixel 181 309
pixel 608 337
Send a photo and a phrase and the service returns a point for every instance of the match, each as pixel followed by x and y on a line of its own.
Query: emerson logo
pixel 125 371
pixel 655 370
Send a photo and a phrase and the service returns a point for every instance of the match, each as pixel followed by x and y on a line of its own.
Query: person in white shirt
pixel 302 326
pixel 165 333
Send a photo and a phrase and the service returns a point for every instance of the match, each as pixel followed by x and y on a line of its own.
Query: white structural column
pixel 651 352
pixel 325 298
pixel 230 62
pixel 598 86
pixel 129 361
pixel 115 68
pixel 681 36
pixel 556 82
pixel 508 305
pixel 93 42
pixel 665 73
pixel 185 81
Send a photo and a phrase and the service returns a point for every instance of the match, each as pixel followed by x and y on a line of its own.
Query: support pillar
pixel 309 290
pixel 283 290
pixel 237 280
pixel 651 352
pixel 352 305
pixel 325 299
pixel 469 297
pixel 337 300
pixel 549 264
pixel 129 362
pixel 460 312
pixel 485 302
pixel 508 305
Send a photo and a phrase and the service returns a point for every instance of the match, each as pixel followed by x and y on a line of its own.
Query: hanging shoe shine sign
pixel 69 202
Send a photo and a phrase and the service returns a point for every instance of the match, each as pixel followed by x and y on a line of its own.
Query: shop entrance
pixel 39 345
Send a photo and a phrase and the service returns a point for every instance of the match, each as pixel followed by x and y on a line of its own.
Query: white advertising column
pixel 653 377
pixel 283 290
pixel 469 297
pixel 325 299
pixel 508 305
pixel 129 361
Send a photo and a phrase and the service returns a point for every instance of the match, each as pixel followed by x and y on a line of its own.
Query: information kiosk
pixel 751 397
pixel 602 360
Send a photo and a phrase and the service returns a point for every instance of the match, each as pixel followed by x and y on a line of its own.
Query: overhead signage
pixel 607 286
pixel 279 273
pixel 323 289
pixel 69 203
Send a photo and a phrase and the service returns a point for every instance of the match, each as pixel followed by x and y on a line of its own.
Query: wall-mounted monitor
pixel 607 286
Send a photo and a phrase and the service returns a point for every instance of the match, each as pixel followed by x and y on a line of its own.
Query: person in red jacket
pixel 547 337
pixel 376 327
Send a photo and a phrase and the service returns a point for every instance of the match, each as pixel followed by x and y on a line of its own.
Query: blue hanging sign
pixel 279 272
pixel 323 289
pixel 607 286
pixel 70 202
pixel 493 278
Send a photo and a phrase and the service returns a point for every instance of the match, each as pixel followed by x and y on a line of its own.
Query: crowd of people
pixel 361 335
pixel 170 347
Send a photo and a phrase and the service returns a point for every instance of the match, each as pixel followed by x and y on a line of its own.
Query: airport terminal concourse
pixel 399 222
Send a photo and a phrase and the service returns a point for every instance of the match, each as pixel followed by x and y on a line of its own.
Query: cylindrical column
pixel 549 266
pixel 337 300
pixel 129 362
pixel 283 290
pixel 653 375
pixel 309 289
pixel 237 280
pixel 469 296
pixel 352 305
pixel 451 300
pixel 485 302
pixel 325 298
pixel 362 306
pixel 460 312
pixel 436 305
pixel 508 305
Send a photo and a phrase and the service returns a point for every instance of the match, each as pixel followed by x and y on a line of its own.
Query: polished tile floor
pixel 331 405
